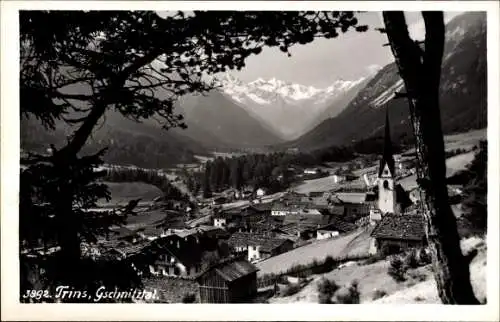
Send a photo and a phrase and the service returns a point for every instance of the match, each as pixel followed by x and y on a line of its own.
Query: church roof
pixel 402 227
pixel 387 156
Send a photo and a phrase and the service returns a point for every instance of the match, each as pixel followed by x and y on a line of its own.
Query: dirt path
pixel 336 247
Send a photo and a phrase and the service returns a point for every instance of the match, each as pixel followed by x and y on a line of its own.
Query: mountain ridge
pixel 463 87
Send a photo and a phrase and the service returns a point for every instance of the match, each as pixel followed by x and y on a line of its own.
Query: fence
pixel 363 221
pixel 302 271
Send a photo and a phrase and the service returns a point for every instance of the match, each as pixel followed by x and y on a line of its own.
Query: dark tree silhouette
pixel 420 69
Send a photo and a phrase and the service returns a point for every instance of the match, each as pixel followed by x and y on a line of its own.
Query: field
pixel 320 184
pixel 426 292
pixel 453 164
pixel 465 140
pixel 458 162
pixel 146 218
pixel 418 288
pixel 123 192
pixel 353 244
pixel 326 184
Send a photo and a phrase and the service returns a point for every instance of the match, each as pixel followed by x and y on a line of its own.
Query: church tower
pixel 386 175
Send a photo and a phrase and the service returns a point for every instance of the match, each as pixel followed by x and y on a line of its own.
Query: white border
pixel 12 310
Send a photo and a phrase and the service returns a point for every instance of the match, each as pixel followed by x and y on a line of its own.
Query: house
pixel 219 201
pixel 395 233
pixel 311 171
pixel 261 192
pixel 122 249
pixel 247 193
pixel 175 257
pixel 326 233
pixel 257 246
pixel 231 281
pixel 334 228
pixel 262 208
pixel 211 232
pixel 337 178
pixel 316 194
pixel 151 232
pixel 279 209
pixel 221 218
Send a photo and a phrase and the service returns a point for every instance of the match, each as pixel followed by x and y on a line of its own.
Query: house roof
pixel 123 248
pixel 122 232
pixel 231 269
pixel 334 199
pixel 340 225
pixel 336 210
pixel 249 239
pixel 188 255
pixel 352 197
pixel 370 197
pixel 235 270
pixel 404 227
pixel 262 207
pixel 308 220
pixel 314 194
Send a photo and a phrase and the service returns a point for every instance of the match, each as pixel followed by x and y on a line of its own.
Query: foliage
pixel 189 298
pixel 397 269
pixel 378 294
pixel 374 258
pixel 410 260
pixel 291 289
pixel 326 289
pixel 270 171
pixel 424 258
pixel 117 174
pixel 347 295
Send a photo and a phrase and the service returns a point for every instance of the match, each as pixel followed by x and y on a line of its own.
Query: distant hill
pixel 463 93
pixel 217 121
pixel 289 109
pixel 128 142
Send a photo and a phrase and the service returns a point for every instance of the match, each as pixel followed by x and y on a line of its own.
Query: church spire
pixel 387 157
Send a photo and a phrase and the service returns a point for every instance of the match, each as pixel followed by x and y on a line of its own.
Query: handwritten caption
pixel 101 294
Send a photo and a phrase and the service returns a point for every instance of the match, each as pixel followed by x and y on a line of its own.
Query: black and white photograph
pixel 251 155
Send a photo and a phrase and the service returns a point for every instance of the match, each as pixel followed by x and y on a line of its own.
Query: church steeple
pixel 387 157
pixel 386 175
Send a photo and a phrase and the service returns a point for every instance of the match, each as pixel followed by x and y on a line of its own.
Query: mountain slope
pixel 142 144
pixel 228 123
pixel 463 93
pixel 288 108
pixel 337 105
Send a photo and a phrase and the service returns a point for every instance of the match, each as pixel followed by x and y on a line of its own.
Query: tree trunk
pixel 420 70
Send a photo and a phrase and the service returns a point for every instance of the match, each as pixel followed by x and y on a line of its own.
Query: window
pixel 386 184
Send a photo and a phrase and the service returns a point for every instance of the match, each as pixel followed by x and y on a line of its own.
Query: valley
pixel 260 189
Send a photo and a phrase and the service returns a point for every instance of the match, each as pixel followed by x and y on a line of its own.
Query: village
pixel 248 246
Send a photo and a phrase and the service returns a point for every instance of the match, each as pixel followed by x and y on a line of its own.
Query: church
pixel 396 228
pixel 392 199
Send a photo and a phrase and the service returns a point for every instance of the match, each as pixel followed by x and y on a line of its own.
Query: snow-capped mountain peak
pixel 263 91
pixel 288 107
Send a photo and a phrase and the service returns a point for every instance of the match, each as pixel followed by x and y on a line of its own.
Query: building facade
pixel 230 282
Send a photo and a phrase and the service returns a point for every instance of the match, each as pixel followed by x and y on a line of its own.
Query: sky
pixel 348 57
